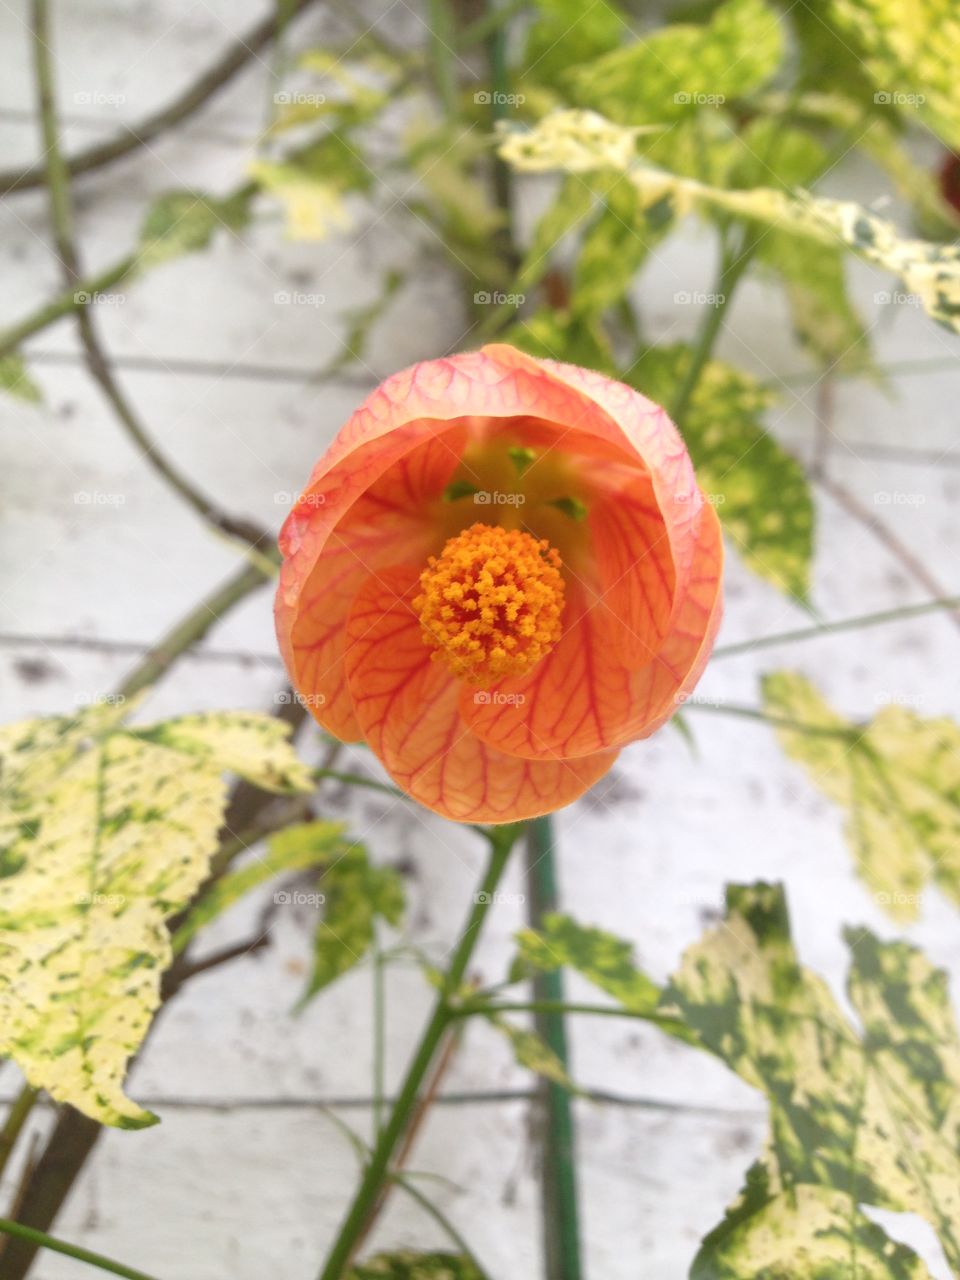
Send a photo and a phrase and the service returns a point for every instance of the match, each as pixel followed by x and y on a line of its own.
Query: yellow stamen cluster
pixel 490 603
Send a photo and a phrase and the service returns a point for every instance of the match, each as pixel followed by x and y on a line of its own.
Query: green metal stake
pixel 561 1228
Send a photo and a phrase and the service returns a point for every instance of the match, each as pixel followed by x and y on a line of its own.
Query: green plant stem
pixel 379 1034
pixel 442 42
pixel 15 1119
pixel 833 628
pixel 561 1228
pixel 191 629
pixel 61 215
pixel 441 1219
pixel 562 1007
pixel 65 303
pixel 733 265
pixel 776 722
pixel 378 1169
pixel 71 1250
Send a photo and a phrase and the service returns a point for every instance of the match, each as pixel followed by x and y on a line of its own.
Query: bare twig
pixel 190 101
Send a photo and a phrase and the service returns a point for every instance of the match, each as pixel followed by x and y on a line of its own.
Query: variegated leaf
pixel 105 832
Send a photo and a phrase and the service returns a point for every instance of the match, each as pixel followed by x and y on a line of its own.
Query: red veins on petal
pixel 606 482
pixel 407 706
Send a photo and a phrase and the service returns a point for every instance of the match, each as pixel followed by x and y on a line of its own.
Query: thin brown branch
pixel 216 77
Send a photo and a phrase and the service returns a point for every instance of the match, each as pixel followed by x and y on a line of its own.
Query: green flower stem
pixel 16 1118
pixel 734 264
pixel 561 1219
pixel 563 1008
pixel 71 1250
pixel 378 1171
pixel 443 38
pixel 832 628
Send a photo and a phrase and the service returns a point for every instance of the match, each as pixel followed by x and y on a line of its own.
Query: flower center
pixel 490 603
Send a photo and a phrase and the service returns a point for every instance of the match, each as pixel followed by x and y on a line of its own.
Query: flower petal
pixel 582 698
pixel 387 524
pixel 407 707
pixel 622 416
pixel 635 569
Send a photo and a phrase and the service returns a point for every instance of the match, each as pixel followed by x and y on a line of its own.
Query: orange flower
pixel 500 572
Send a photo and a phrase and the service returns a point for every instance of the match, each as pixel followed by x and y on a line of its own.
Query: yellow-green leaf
pixel 533 1052
pixel 286 851
pixel 355 894
pixel 824 319
pixel 583 142
pixel 15 380
pixel 570 208
pixel 569 33
pixel 898 779
pixel 603 959
pixel 311 183
pixel 760 491
pixel 679 68
pixel 908 48
pixel 856 1117
pixel 558 335
pixel 179 222
pixel 805 1233
pixel 105 832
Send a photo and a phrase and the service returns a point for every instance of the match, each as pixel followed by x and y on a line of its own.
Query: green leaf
pixel 760 491
pixel 676 69
pixel 855 1119
pixel 804 1233
pixel 583 142
pixel 614 248
pixel 601 958
pixel 356 894
pixel 568 33
pixel 286 851
pixel 909 52
pixel 897 778
pixel 571 207
pixel 407 1265
pixel 824 319
pixel 15 380
pixel 558 335
pixel 310 185
pixel 105 832
pixel 180 222
pixel 532 1052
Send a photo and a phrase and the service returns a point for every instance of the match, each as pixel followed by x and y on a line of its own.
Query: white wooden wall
pixel 246 1176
